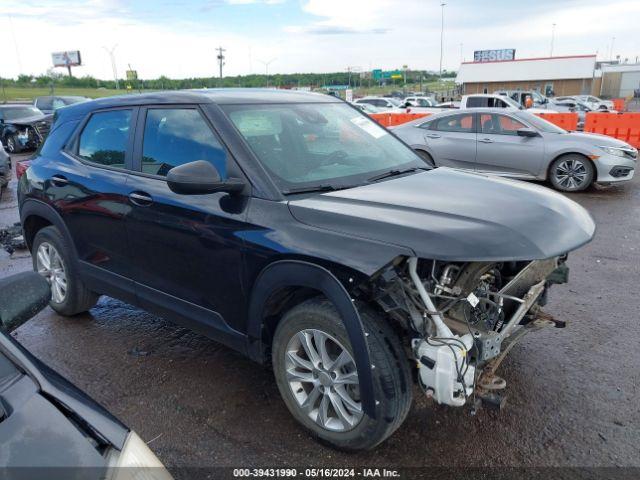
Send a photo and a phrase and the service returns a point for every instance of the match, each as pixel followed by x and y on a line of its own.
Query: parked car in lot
pixel 518 144
pixel 367 108
pixel 419 102
pixel 596 103
pixel 5 170
pixel 296 230
pixel 22 127
pixel 383 103
pixel 48 427
pixel 50 103
pixel 571 105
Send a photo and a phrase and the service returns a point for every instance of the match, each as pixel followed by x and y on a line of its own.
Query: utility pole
pixel 266 68
pixel 441 37
pixel 553 34
pixel 221 58
pixel 111 51
pixel 461 57
pixel 611 51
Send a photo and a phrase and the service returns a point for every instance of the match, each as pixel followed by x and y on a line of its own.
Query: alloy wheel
pixel 323 378
pixel 11 145
pixel 571 174
pixel 50 265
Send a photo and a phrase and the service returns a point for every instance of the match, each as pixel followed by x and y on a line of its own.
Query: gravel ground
pixel 572 392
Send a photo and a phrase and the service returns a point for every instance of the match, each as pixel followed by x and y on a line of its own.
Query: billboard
pixel 66 59
pixel 503 55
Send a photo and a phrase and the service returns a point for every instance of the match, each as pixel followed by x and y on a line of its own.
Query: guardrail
pixel 623 126
pixel 619 104
pixel 568 121
pixel 393 119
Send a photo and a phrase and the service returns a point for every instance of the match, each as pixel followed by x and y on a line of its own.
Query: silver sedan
pixel 521 145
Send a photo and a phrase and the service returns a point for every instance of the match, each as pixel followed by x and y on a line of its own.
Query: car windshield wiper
pixel 393 173
pixel 316 188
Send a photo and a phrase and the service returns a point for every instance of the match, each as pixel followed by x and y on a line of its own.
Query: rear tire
pixel 391 376
pixel 53 259
pixel 427 158
pixel 571 173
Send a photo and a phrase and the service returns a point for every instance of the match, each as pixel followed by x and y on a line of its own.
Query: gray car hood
pixel 447 214
pixel 594 139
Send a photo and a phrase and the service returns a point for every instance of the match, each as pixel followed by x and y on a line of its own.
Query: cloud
pixel 335 30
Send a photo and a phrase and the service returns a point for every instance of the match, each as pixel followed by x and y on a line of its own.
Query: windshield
pixel 328 144
pixel 511 102
pixel 395 101
pixel 17 113
pixel 541 124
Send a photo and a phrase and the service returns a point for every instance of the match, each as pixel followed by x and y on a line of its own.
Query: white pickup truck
pixel 481 100
pixel 484 100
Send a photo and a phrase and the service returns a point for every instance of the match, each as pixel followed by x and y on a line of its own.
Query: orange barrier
pixel 623 126
pixel 568 121
pixel 393 119
pixel 618 104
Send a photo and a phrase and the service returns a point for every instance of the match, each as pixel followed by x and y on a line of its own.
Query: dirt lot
pixel 573 393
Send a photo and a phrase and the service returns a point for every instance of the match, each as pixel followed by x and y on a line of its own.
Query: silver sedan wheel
pixel 323 379
pixel 571 174
pixel 50 265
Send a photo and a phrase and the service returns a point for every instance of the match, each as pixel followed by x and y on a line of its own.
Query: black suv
pixel 296 230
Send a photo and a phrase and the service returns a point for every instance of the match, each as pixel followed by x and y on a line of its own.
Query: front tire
pixel 571 173
pixel 315 371
pixel 52 258
pixel 12 143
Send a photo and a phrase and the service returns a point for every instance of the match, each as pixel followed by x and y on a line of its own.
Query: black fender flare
pixel 296 273
pixel 37 207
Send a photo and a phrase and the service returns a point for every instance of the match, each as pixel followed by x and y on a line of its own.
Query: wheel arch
pixel 35 215
pixel 565 154
pixel 286 283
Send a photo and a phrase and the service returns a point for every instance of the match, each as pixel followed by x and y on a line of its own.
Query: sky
pixel 178 38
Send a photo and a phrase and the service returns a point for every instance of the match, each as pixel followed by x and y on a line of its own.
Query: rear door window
pixel 105 137
pixel 455 123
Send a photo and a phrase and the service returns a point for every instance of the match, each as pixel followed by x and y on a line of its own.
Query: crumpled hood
pixel 447 214
pixel 29 120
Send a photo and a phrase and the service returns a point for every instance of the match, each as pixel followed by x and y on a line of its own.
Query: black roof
pixel 220 96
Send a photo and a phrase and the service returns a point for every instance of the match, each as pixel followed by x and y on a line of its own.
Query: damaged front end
pixel 462 318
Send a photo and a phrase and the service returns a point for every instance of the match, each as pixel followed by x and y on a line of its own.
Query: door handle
pixel 59 180
pixel 486 140
pixel 141 199
pixel 432 135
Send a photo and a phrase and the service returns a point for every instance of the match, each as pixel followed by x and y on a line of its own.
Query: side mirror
pixel 22 296
pixel 527 132
pixel 200 178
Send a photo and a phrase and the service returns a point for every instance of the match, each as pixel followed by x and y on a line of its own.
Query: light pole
pixel 611 51
pixel 553 34
pixel 266 67
pixel 112 55
pixel 461 57
pixel 441 37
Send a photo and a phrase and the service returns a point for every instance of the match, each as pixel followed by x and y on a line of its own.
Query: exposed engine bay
pixel 463 318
